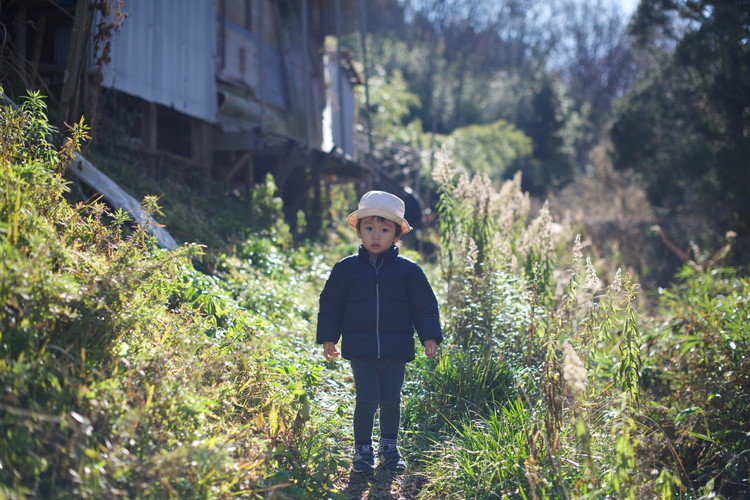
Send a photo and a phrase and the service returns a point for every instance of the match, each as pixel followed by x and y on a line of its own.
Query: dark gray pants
pixel 378 383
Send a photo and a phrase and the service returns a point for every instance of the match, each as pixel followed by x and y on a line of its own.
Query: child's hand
pixel 430 348
pixel 329 351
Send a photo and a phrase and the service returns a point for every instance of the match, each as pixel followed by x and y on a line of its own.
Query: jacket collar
pixel 384 258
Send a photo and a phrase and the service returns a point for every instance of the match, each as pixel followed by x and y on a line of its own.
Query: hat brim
pixel 378 212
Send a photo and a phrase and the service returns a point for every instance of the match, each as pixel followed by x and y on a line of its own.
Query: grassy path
pixel 331 398
pixel 336 401
pixel 382 485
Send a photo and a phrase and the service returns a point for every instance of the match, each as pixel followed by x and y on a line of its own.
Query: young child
pixel 373 301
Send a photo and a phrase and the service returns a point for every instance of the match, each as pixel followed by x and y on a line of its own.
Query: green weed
pixel 459 383
pixel 486 458
pixel 128 372
pixel 697 380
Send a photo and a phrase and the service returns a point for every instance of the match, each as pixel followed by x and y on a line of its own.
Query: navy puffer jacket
pixel 375 308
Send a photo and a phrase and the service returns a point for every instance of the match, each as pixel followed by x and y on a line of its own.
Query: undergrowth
pixel 128 371
pixel 552 385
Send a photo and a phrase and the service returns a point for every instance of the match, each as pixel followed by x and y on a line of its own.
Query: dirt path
pixel 384 485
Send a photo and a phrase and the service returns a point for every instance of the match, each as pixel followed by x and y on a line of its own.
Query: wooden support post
pixel 250 176
pixel 19 34
pixel 149 125
pixel 261 71
pixel 73 65
pixel 286 165
pixel 36 50
pixel 201 143
pixel 307 77
pixel 278 176
pixel 339 86
pixel 315 222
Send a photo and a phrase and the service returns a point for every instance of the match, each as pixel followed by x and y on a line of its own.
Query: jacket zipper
pixel 377 305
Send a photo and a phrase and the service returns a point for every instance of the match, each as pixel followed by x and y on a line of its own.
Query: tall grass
pixel 529 321
pixel 126 372
pixel 484 458
pixel 697 380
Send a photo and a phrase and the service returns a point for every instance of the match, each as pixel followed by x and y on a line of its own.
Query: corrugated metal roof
pixel 165 53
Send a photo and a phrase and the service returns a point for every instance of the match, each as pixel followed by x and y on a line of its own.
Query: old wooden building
pixel 235 88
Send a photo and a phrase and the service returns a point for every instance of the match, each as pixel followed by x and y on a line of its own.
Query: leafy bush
pixel 533 346
pixel 460 384
pixel 486 458
pixel 698 379
pixel 126 371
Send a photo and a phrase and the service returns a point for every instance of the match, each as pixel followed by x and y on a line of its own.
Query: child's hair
pixel 379 219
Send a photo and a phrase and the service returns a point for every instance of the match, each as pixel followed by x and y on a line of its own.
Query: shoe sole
pixel 397 471
pixel 363 472
pixel 384 465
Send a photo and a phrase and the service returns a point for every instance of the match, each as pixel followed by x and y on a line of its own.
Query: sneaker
pixel 391 459
pixel 364 460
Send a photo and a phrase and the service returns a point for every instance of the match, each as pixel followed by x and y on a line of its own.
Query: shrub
pixel 698 380
pixel 522 324
pixel 485 458
pixel 126 371
pixel 459 384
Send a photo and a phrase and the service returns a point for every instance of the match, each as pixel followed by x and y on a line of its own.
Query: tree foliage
pixel 487 149
pixel 531 63
pixel 685 128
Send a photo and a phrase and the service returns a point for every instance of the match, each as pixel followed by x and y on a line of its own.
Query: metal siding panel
pixel 175 41
pixel 340 97
pixel 347 101
pixel 241 59
pixel 242 64
pixel 275 84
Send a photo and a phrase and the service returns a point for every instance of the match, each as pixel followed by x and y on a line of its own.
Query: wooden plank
pixel 201 144
pixel 238 141
pixel 118 198
pixel 238 165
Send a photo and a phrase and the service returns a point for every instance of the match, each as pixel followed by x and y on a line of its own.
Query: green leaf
pixel 686 412
pixel 701 436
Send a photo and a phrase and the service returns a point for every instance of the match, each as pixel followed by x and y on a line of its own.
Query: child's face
pixel 377 235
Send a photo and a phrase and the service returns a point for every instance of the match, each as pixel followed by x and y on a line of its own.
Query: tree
pixel 551 124
pixel 550 68
pixel 686 127
pixel 488 149
pixel 596 61
pixel 391 104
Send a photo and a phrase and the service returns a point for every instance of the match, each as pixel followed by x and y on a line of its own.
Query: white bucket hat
pixel 380 204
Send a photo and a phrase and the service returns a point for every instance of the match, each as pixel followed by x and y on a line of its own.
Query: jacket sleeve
pixel 332 303
pixel 423 306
